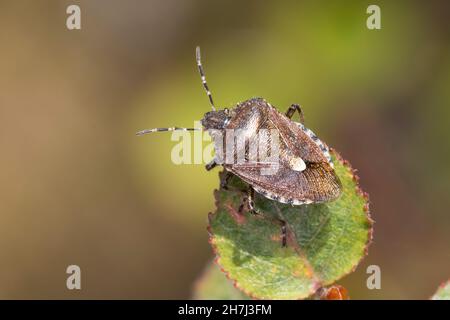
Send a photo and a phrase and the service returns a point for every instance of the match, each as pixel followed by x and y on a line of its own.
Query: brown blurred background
pixel 77 187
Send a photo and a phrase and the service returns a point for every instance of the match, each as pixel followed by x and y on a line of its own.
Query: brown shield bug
pixel 304 170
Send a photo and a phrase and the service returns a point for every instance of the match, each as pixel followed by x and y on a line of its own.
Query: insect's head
pixel 217 120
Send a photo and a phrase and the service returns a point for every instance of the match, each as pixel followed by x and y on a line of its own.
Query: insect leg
pixel 283 233
pixel 251 203
pixel 248 200
pixel 211 165
pixel 225 179
pixel 202 75
pixel 295 107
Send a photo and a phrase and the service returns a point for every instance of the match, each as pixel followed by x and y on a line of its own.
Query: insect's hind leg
pixel 249 202
pixel 225 177
pixel 295 107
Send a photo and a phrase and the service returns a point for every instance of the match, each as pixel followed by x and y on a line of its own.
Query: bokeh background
pixel 77 187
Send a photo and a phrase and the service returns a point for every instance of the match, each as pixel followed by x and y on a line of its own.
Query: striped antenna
pixel 202 75
pixel 142 132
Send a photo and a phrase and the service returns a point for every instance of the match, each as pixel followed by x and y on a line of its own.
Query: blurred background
pixel 78 187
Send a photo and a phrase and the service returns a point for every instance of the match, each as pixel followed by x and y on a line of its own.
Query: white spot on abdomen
pixel 297 164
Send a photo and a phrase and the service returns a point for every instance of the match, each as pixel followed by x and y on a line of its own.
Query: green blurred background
pixel 77 187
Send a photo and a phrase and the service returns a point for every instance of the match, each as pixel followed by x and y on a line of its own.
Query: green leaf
pixel 214 285
pixel 443 292
pixel 325 241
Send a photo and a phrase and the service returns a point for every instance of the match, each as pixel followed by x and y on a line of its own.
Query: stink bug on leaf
pixel 304 173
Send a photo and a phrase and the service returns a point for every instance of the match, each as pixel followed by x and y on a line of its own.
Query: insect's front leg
pixel 249 202
pixel 211 165
pixel 225 179
pixel 295 107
